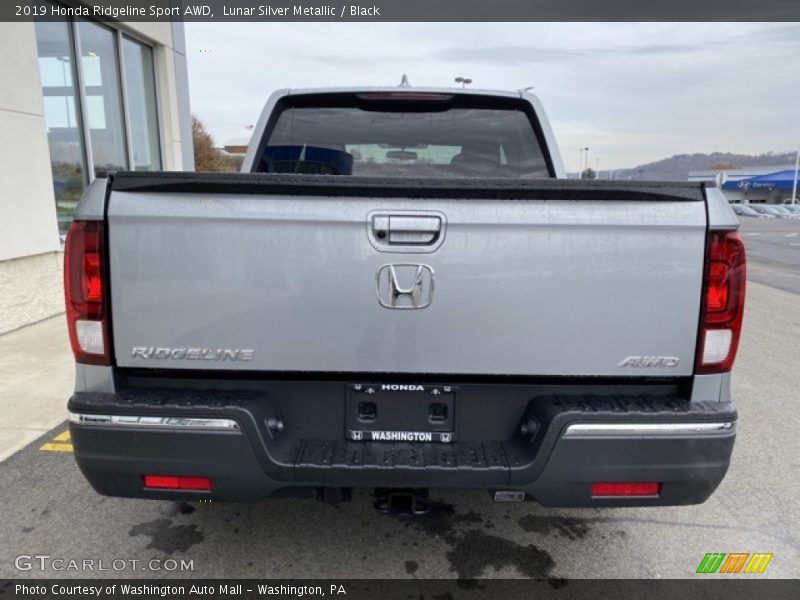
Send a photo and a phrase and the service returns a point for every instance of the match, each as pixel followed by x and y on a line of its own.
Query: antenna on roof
pixel 404 81
pixel 525 89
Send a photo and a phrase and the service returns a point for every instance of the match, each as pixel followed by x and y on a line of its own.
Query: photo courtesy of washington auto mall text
pixel 177 590
pixel 428 300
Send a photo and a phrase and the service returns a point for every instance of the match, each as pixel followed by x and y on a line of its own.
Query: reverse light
pixel 177 482
pixel 625 488
pixel 84 293
pixel 723 302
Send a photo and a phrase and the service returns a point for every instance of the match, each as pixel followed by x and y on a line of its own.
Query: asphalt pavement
pixel 49 509
pixel 773 251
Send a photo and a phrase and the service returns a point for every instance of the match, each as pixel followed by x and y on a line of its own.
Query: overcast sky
pixel 631 92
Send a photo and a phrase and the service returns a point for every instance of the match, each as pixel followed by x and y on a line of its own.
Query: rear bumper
pixel 558 447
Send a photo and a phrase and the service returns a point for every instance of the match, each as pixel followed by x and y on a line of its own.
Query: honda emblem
pixel 405 285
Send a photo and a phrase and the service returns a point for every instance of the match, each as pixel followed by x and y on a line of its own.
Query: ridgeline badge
pixel 209 354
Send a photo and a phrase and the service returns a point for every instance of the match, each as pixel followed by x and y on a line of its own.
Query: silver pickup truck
pixel 403 291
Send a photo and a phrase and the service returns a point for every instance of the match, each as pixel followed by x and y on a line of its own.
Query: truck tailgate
pixel 536 280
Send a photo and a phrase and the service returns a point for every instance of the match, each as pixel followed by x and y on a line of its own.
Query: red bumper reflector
pixel 174 482
pixel 626 488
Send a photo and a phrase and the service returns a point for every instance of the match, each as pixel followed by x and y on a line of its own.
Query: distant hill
pixel 678 167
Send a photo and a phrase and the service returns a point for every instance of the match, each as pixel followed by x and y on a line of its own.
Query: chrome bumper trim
pixel 648 429
pixel 155 422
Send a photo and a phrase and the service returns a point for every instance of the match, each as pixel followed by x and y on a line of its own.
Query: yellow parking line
pixel 62 437
pixel 57 447
pixel 60 443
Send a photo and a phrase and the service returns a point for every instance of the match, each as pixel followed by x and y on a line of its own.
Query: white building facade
pixel 78 98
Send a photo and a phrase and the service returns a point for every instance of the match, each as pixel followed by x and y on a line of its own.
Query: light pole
pixel 580 166
pixel 586 159
pixel 464 81
pixel 794 183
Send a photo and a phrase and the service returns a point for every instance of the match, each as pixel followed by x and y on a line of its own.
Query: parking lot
pixel 773 250
pixel 48 508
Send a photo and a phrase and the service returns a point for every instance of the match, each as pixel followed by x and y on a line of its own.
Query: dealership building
pixel 78 98
pixel 751 185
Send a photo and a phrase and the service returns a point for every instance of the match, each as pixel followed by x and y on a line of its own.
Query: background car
pixel 783 212
pixel 764 210
pixel 748 211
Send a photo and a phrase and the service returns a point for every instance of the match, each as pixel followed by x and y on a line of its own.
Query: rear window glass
pixel 456 142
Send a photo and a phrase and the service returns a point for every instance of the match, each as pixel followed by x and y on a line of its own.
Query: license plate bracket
pixel 400 412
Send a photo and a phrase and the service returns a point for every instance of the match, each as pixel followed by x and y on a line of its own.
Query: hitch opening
pixel 402 502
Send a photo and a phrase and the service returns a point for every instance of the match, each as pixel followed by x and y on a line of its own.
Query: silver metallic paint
pixel 523 287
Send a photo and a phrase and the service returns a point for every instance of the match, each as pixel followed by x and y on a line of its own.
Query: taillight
pixel 723 303
pixel 417 96
pixel 85 294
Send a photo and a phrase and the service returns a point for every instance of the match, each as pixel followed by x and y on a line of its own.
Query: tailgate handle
pixel 406 229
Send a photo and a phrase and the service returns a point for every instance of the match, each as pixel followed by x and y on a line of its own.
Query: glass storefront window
pixel 64 129
pixel 141 96
pixel 103 110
